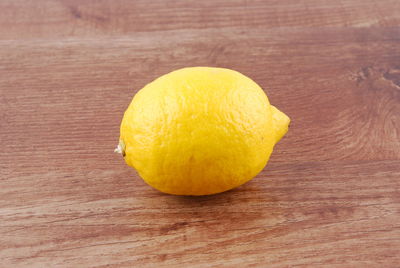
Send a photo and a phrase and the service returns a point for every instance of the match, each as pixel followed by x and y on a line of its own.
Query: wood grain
pixel 330 196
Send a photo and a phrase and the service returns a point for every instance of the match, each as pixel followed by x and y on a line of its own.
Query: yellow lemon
pixel 200 131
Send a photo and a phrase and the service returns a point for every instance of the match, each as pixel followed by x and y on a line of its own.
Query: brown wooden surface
pixel 330 195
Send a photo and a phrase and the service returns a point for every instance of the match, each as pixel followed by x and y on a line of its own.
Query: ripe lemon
pixel 200 131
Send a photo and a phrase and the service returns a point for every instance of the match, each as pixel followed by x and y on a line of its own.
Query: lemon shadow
pixel 246 208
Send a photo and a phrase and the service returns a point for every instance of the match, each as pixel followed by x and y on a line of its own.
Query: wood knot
pixel 393 76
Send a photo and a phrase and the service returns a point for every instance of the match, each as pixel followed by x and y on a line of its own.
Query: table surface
pixel 330 195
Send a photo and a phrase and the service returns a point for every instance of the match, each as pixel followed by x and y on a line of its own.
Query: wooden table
pixel 330 195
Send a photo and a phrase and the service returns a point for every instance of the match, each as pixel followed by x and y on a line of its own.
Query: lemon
pixel 200 131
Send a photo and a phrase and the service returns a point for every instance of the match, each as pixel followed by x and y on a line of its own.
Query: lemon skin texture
pixel 200 131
